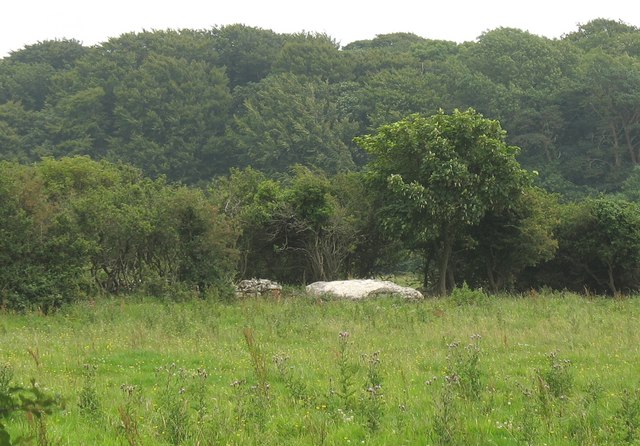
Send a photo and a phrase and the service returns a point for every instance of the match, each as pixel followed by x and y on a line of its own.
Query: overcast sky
pixel 24 22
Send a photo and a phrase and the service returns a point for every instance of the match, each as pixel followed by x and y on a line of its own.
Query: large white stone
pixel 362 289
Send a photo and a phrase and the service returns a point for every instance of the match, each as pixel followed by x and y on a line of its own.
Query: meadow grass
pixel 471 369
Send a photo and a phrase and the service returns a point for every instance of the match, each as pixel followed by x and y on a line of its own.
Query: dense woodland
pixel 182 160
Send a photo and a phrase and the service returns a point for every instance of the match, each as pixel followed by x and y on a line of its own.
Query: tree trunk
pixel 630 146
pixel 445 255
pixel 428 256
pixel 616 145
pixel 612 283
pixel 492 280
pixel 451 277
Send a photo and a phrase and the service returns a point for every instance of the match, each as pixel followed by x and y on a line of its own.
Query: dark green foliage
pixel 191 105
pixel 41 262
pixel 74 224
pixel 509 240
pixel 247 53
pixel 170 111
pixel 598 248
pixel 59 54
pixel 439 176
pixel 299 230
pixel 31 401
pixel 287 120
pixel 312 55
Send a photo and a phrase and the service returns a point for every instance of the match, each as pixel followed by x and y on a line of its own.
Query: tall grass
pixel 535 369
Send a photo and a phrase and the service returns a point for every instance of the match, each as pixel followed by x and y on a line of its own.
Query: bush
pixel 74 225
pixel 466 296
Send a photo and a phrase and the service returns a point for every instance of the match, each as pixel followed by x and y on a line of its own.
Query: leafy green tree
pixel 60 54
pixel 314 224
pixel 312 55
pixel 169 118
pixel 289 120
pixel 296 230
pixel 246 52
pixel 386 52
pixel 205 250
pixel 146 234
pixel 130 50
pixel 41 260
pixel 599 247
pixel 517 58
pixel 511 239
pixel 392 42
pixel 21 133
pixel 28 84
pixel 612 95
pixel 610 35
pixel 248 199
pixel 388 96
pixel 439 176
pixel 27 75
pixel 74 225
pixel 77 124
pixel 630 189
pixel 371 250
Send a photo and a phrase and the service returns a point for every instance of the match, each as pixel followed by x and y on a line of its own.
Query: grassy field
pixel 536 369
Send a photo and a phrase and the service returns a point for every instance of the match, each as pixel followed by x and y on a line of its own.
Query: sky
pixel 25 22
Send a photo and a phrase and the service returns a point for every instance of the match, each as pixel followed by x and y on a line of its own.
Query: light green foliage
pixel 464 295
pixel 517 59
pixel 631 186
pixel 149 233
pixel 32 402
pixel 152 387
pixel 604 34
pixel 439 176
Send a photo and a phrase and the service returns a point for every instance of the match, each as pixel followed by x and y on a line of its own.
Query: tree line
pixel 191 104
pixel 174 162
pixel 443 196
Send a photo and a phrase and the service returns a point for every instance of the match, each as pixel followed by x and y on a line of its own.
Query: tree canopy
pixel 188 158
pixel 439 176
pixel 192 104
